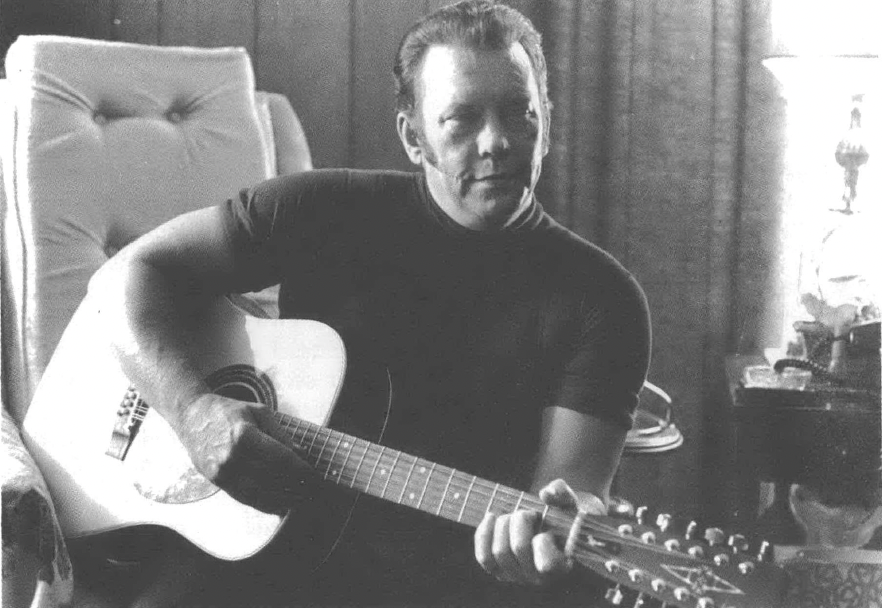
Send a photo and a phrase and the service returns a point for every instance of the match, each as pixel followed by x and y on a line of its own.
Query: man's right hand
pixel 241 448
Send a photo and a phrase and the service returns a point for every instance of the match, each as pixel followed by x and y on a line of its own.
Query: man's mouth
pixel 496 177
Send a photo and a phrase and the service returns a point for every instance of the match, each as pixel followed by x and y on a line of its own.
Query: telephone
pixel 851 359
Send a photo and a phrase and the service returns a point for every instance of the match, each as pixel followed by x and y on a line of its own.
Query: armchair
pixel 101 142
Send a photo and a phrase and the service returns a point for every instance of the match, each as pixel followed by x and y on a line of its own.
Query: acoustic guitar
pixel 111 462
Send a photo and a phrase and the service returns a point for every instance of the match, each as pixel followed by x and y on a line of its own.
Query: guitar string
pixel 584 549
pixel 582 546
pixel 406 459
pixel 394 481
pixel 588 534
pixel 596 530
pixel 505 494
pixel 451 474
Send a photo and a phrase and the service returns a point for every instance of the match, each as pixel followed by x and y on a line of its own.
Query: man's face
pixel 480 137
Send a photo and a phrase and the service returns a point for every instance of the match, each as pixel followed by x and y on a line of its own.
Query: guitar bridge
pixel 129 416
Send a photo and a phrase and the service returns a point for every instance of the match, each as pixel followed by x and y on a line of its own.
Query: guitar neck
pixel 407 480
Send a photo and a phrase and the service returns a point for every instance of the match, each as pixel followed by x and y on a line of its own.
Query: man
pixel 516 349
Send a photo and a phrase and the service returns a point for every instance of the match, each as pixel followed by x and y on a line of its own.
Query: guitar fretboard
pixel 408 480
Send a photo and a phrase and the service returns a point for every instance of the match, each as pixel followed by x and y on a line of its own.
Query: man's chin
pixel 498 212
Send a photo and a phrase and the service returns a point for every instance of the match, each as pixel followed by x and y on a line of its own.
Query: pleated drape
pixel 664 153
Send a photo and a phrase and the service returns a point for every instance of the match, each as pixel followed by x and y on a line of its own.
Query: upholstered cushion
pixel 103 148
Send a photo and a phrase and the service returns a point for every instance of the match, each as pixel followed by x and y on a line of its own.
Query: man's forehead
pixel 442 63
pixel 466 55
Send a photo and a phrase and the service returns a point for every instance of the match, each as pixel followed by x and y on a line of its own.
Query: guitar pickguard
pixel 160 468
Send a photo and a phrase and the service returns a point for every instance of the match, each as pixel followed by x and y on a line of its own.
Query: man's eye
pixel 461 117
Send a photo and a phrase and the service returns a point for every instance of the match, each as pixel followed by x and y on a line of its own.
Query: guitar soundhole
pixel 245 383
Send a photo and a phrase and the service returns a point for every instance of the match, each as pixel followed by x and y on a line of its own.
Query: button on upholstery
pixel 99 118
pixel 174 117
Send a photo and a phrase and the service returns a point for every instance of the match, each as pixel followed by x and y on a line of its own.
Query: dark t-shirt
pixel 480 331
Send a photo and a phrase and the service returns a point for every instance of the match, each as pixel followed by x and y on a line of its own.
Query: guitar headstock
pixel 691 569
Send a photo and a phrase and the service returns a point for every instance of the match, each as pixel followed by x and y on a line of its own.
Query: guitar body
pixel 111 462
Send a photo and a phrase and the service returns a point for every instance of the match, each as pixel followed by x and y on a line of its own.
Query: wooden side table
pixel 815 449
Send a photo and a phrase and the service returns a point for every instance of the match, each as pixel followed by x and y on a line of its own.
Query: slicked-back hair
pixel 476 24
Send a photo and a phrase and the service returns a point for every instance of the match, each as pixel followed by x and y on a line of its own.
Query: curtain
pixel 664 153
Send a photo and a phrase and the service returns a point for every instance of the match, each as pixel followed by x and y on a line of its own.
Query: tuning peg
pixel 705 602
pixel 738 543
pixel 619 507
pixel 636 575
pixel 746 567
pixel 714 536
pixel 764 552
pixel 614 595
pixel 640 602
pixel 612 566
pixel 690 530
pixel 640 514
pixel 721 559
pixel 663 521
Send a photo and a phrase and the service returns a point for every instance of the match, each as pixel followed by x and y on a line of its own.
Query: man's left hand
pixel 512 547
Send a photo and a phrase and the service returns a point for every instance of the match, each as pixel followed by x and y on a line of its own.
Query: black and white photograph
pixel 441 303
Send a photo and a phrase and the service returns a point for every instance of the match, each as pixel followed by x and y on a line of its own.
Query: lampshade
pixel 823 76
pixel 826 49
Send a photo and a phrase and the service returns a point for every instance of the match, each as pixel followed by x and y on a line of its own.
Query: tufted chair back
pixel 101 142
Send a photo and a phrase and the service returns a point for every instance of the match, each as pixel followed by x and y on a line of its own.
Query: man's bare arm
pixel 146 294
pixel 578 457
pixel 582 449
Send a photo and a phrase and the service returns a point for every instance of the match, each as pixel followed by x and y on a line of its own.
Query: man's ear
pixel 409 139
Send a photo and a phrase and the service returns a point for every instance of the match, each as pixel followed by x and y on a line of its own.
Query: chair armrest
pixel 291 147
pixel 36 564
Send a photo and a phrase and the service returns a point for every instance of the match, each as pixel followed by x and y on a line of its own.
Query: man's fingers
pixel 559 494
pixel 521 530
pixel 265 473
pixel 484 543
pixel 549 560
pixel 501 550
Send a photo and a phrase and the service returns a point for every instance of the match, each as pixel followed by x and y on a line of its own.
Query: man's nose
pixel 493 138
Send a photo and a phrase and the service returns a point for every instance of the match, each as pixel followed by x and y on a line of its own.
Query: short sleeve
pixel 268 223
pixel 607 363
pixel 249 223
